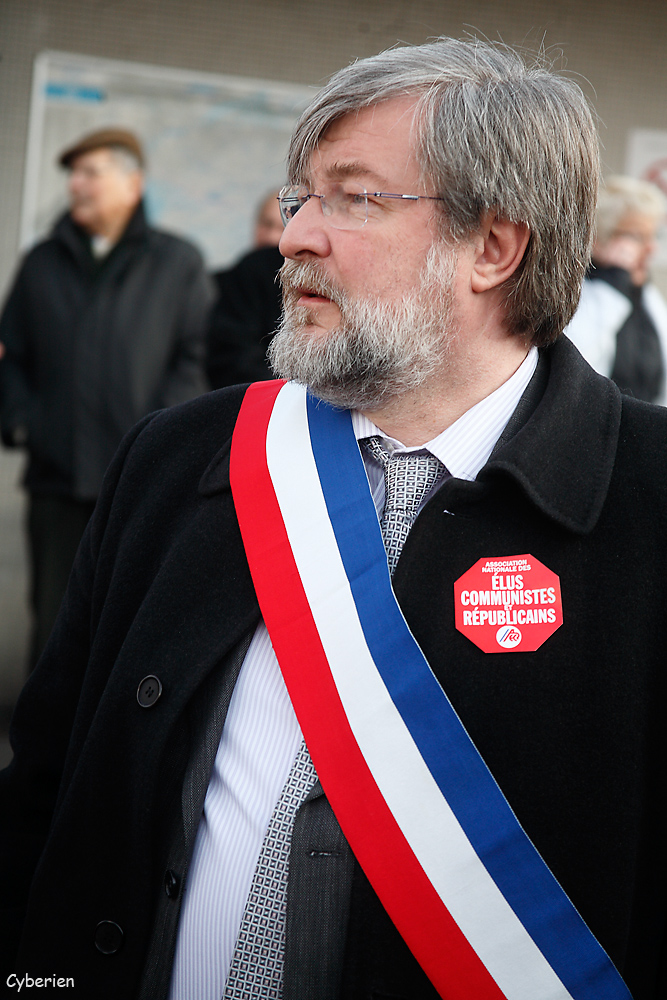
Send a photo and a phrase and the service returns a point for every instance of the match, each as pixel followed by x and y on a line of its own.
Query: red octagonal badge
pixel 508 604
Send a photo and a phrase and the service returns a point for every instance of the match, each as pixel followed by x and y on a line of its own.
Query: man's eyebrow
pixel 355 168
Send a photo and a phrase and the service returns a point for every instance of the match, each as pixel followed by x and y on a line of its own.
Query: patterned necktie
pixel 257 964
pixel 408 477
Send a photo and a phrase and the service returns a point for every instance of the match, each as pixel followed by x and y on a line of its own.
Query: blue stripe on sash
pixel 470 789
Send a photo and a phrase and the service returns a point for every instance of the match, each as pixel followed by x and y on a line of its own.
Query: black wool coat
pixel 92 347
pixel 574 732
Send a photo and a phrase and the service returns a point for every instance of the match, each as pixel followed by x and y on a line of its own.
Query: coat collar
pixel 562 449
pixel 78 242
pixel 563 455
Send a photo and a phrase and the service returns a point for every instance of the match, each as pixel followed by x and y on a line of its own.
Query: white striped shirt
pixel 261 735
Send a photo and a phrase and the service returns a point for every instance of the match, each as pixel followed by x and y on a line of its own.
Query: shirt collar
pixel 465 446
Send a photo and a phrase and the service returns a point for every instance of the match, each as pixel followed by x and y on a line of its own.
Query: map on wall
pixel 215 145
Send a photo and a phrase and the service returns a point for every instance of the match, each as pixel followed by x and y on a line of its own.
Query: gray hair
pixel 621 195
pixel 493 132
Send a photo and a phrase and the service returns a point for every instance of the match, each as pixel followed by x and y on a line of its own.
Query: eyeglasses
pixel 345 206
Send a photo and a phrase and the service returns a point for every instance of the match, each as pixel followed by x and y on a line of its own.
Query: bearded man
pixel 356 689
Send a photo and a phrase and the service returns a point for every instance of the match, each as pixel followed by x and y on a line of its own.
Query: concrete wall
pixel 614 48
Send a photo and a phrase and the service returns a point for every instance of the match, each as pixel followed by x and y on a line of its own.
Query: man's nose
pixel 306 234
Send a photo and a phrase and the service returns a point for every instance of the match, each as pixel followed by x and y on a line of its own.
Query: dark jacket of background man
pixel 244 319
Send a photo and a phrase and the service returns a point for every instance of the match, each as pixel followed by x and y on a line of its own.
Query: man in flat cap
pixel 104 324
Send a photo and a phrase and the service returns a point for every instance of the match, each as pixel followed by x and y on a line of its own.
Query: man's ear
pixel 504 244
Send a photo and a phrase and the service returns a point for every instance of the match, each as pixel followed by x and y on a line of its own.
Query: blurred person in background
pixel 105 323
pixel 620 326
pixel 247 310
pixel 268 222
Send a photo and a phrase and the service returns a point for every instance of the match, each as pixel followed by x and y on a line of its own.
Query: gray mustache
pixel 307 274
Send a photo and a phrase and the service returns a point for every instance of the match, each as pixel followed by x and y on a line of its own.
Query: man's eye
pixel 354 201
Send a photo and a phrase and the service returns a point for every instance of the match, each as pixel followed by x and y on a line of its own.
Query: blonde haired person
pixel 620 326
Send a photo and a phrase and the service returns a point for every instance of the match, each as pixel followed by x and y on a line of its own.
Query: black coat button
pixel 172 884
pixel 108 937
pixel 149 691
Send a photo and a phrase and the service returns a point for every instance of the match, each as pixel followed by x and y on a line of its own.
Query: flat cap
pixel 101 139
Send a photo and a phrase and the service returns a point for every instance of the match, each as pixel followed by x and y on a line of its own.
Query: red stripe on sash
pixel 374 836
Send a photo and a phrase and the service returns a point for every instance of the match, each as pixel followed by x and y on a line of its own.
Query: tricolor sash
pixel 439 843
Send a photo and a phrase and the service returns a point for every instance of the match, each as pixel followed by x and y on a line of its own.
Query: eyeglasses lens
pixel 290 200
pixel 348 205
pixel 345 205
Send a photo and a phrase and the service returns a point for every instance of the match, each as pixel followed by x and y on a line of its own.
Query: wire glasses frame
pixel 345 206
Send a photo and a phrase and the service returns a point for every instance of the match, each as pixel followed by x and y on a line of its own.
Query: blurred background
pixel 212 86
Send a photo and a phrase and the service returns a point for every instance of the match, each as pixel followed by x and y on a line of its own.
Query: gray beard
pixel 379 350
